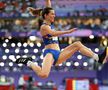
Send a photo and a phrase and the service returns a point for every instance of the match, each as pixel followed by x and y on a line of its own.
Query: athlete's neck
pixel 47 22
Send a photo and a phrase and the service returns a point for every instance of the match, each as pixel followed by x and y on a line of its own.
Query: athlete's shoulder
pixel 45 27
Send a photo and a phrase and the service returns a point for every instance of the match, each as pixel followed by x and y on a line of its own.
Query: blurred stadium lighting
pixel 38 44
pixel 32 38
pixel 14 69
pixel 18 56
pixel 79 57
pixel 39 84
pixel 19 44
pixel 4 45
pixel 4 57
pixel 91 61
pixel 24 44
pixel 33 57
pixel 7 40
pixel 96 49
pixel 6 50
pixel 68 64
pixel 103 37
pixel 26 50
pixel 49 83
pixel 12 57
pixel 10 37
pixel 6 69
pixel 100 67
pixel 17 50
pixel 2 64
pixel 24 56
pixel 10 64
pixel 13 45
pixel 85 64
pixel 60 64
pixel 20 65
pixel 76 63
pixel 2 78
pixel 91 36
pixel 31 44
pixel 35 50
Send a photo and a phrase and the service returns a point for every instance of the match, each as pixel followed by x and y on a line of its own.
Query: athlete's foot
pixel 102 57
pixel 23 60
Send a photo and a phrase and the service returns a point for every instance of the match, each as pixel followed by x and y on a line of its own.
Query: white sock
pixel 29 63
pixel 95 56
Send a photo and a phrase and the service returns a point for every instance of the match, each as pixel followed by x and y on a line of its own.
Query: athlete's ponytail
pixel 39 12
pixel 35 12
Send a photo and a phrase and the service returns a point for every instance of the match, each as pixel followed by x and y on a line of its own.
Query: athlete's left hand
pixel 73 30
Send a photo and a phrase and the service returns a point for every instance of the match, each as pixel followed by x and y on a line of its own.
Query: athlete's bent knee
pixel 78 43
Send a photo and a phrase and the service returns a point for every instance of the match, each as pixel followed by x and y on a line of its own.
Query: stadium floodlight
pixel 4 57
pixel 12 57
pixel 79 57
pixel 17 50
pixel 19 44
pixel 68 64
pixel 91 36
pixel 6 50
pixel 38 44
pixel 13 45
pixel 85 64
pixel 10 64
pixel 2 64
pixel 35 50
pixel 60 64
pixel 15 69
pixel 3 78
pixel 32 38
pixel 31 44
pixel 24 44
pixel 26 50
pixel 6 40
pixel 20 65
pixel 96 49
pixel 18 56
pixel 10 37
pixel 4 45
pixel 24 56
pixel 34 57
pixel 76 63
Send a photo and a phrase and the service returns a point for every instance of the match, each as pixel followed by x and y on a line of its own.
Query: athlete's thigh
pixel 67 53
pixel 47 63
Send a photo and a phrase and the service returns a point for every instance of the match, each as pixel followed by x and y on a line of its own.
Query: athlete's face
pixel 51 16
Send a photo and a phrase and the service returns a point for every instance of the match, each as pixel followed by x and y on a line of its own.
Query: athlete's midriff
pixel 52 46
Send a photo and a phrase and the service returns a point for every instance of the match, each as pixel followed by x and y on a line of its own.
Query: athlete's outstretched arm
pixel 47 30
pixel 48 3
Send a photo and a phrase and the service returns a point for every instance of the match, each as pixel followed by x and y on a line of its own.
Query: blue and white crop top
pixel 49 39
